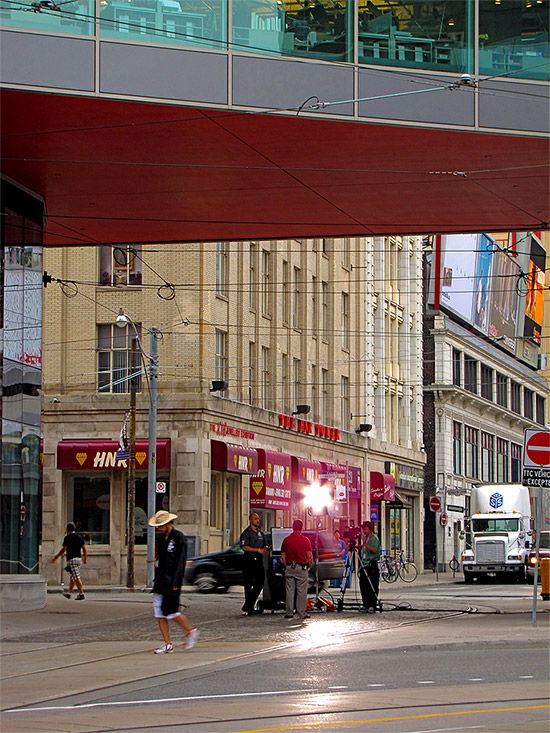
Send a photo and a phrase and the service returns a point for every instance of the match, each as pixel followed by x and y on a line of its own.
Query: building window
pixel 470 374
pixel 345 321
pixel 252 278
pixel 324 310
pixel 284 382
pixel 220 362
pixel 265 377
pixel 457 368
pixel 314 391
pixel 516 462
pixel 528 403
pixel 344 403
pixel 457 448
pixel 88 506
pixel 295 381
pixel 251 371
pixel 487 457
pixel 314 324
pixel 345 252
pixel 296 312
pixel 486 382
pixel 515 394
pixel 221 261
pixel 502 461
pixel 324 395
pixel 502 390
pixel 471 452
pixel 285 294
pixel 541 409
pixel 265 282
pixel 324 246
pixel 114 357
pixel 120 265
pixel 216 496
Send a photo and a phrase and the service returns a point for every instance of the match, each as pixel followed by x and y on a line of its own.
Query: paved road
pixel 89 667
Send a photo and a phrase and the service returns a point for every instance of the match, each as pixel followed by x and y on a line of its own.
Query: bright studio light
pixel 317 497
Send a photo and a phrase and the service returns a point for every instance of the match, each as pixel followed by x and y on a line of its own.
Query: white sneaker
pixel 165 649
pixel 191 638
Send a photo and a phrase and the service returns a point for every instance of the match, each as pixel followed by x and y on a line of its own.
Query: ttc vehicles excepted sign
pixel 536 458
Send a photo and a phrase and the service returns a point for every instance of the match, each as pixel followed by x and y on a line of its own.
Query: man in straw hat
pixel 168 579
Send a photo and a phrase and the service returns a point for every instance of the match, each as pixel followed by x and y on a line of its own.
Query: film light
pixel 317 498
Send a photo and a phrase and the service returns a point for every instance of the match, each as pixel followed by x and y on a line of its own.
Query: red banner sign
pixel 271 486
pixel 98 455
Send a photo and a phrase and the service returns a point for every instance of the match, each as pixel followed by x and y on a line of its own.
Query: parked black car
pixel 219 570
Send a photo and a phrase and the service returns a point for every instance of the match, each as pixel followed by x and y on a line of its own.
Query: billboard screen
pixel 504 299
pixel 458 273
pixel 534 301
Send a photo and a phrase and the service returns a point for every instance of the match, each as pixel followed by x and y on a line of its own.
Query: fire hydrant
pixel 544 569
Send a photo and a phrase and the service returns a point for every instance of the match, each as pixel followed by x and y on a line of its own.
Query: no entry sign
pixel 536 458
pixel 435 503
pixel 537 448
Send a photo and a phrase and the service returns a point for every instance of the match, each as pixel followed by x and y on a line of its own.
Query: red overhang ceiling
pixel 116 171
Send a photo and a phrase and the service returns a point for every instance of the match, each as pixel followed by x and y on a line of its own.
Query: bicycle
pixel 406 570
pixel 388 571
pixel 454 564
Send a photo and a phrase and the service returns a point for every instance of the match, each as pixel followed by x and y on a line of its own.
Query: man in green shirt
pixel 369 575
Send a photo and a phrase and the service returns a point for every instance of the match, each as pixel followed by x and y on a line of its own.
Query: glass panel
pixel 513 38
pixel 320 29
pixel 201 23
pixel 427 35
pixel 140 513
pixel 88 506
pixel 76 18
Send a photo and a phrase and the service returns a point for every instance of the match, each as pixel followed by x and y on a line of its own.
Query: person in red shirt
pixel 298 559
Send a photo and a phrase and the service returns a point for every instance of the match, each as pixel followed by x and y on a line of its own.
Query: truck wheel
pixel 520 577
pixel 468 578
pixel 530 579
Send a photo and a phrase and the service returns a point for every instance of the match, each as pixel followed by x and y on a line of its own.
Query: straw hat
pixel 160 518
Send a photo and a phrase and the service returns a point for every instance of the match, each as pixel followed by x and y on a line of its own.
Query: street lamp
pixel 122 320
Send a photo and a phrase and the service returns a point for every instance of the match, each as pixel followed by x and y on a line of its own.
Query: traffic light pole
pixel 152 442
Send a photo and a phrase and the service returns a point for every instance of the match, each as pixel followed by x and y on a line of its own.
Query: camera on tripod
pixel 352 534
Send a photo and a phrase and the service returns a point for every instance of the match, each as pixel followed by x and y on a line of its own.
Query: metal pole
pixel 538 527
pixel 130 524
pixel 152 465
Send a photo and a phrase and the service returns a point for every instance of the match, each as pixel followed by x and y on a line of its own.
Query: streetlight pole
pixel 152 465
pixel 130 524
pixel 122 321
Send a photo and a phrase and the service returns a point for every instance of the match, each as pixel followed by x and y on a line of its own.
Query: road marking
pixel 442 730
pixel 475 679
pixel 425 682
pixel 338 687
pixel 391 720
pixel 526 676
pixel 376 684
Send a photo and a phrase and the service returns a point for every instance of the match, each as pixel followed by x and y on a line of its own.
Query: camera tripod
pixel 353 554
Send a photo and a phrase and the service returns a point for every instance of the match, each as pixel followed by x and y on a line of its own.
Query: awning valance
pixel 233 457
pixel 382 487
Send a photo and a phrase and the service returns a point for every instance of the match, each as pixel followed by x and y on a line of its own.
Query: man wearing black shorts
pixel 75 549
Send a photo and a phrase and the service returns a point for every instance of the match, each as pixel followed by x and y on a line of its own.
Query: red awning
pixel 305 471
pixel 382 487
pixel 233 457
pixel 271 486
pixel 94 455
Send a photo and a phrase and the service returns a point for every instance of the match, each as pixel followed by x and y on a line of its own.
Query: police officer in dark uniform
pixel 253 543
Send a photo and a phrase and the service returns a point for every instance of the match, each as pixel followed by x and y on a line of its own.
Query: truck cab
pixel 500 532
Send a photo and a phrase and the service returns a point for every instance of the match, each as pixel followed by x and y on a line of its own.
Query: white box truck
pixel 499 529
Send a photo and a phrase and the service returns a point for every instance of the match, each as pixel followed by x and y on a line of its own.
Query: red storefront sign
pixel 97 455
pixel 305 471
pixel 233 457
pixel 271 486
pixel 382 487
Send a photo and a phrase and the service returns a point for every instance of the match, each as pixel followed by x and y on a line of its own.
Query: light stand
pixel 317 500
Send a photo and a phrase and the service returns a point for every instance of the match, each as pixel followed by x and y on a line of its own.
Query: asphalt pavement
pixel 74 651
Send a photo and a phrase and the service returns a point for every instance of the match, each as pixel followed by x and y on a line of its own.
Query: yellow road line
pixel 391 720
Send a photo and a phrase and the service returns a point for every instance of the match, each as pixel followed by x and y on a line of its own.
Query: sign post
pixel 435 506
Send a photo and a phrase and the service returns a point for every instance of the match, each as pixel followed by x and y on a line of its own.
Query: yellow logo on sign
pixel 81 457
pixel 257 486
pixel 140 457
